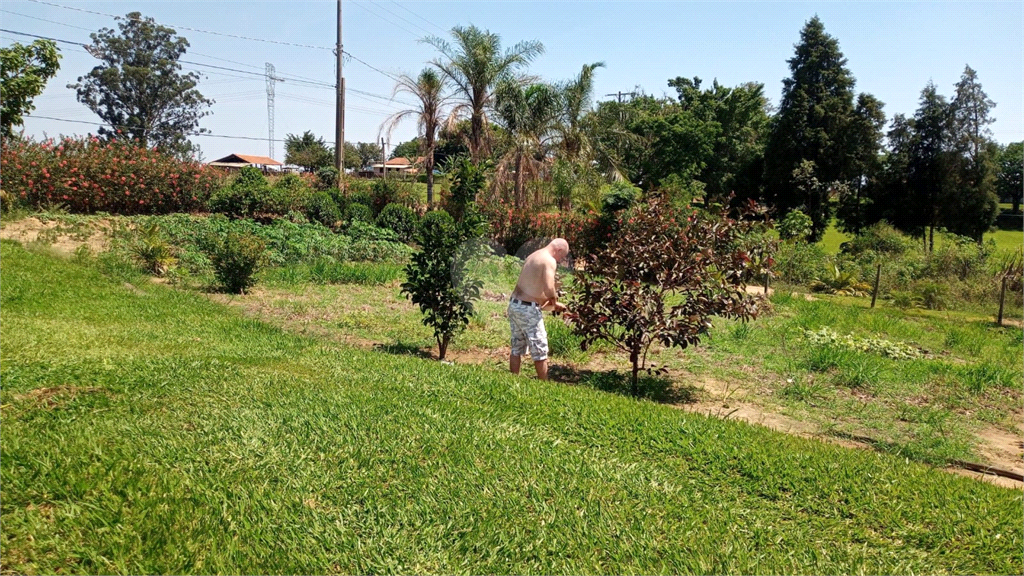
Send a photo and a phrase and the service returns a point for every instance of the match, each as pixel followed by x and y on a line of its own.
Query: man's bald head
pixel 559 248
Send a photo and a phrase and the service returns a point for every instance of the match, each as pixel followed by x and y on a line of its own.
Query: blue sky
pixel 893 50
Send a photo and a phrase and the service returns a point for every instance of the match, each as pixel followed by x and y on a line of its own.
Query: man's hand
pixel 559 308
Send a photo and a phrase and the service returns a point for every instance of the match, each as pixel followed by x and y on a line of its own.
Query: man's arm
pixel 550 302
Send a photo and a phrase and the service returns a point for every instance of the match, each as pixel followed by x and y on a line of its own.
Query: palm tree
pixel 430 113
pixel 577 98
pixel 528 113
pixel 475 63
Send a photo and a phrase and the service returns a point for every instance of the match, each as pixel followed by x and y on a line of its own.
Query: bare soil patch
pixel 58 237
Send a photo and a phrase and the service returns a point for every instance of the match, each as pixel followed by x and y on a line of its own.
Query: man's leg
pixel 514 362
pixel 542 369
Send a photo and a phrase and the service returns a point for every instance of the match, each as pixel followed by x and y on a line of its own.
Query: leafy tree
pixel 438 279
pixel 1010 180
pixel 138 88
pixel 467 180
pixel 974 203
pixel 662 279
pixel 308 151
pixel 814 116
pixel 409 149
pixel 368 153
pixel 475 63
pixel 24 71
pixel 737 121
pixel 865 134
pixel 528 114
pixel 431 110
pixel 353 160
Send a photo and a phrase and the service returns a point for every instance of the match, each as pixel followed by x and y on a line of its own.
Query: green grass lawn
pixel 149 430
pixel 1004 239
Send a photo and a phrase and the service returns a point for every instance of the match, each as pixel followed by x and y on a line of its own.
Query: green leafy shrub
pixel 618 196
pixel 399 219
pixel 356 212
pixel 932 295
pixel 244 197
pixel 364 231
pixel 880 238
pixel 379 251
pixel 320 207
pixel 382 193
pixel 288 193
pixel 437 279
pixel 800 262
pixel 795 226
pixel 236 260
pixel 327 178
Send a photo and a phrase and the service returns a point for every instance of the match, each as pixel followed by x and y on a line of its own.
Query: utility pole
pixel 383 158
pixel 339 117
pixel 271 78
pixel 619 95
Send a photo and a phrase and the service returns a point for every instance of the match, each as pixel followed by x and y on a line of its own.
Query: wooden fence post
pixel 766 277
pixel 1002 297
pixel 874 293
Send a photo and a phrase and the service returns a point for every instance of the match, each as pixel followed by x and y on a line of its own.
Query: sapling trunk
pixel 442 346
pixel 634 357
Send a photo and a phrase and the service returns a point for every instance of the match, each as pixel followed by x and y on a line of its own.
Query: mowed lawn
pixel 148 430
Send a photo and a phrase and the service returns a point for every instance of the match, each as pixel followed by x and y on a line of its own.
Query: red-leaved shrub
pixel 88 175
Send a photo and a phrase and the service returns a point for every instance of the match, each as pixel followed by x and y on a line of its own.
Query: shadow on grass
pixel 654 388
pixel 404 349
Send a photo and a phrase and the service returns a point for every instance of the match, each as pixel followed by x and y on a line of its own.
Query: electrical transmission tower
pixel 271 78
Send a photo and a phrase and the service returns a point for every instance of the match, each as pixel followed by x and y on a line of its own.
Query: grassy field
pixel 1004 239
pixel 150 430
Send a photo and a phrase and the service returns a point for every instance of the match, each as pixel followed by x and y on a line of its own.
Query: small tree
pixel 663 277
pixel 438 279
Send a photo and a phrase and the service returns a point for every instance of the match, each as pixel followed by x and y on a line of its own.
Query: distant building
pixel 397 166
pixel 239 161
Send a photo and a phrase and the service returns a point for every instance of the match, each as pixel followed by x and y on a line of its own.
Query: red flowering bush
pixel 88 175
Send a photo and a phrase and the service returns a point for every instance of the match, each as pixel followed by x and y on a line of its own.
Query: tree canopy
pixel 24 71
pixel 138 88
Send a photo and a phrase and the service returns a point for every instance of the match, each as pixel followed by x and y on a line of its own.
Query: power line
pixel 190 29
pixel 345 52
pixel 420 17
pixel 380 6
pixel 384 18
pixel 206 134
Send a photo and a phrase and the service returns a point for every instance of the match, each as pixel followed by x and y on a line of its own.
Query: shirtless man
pixel 535 291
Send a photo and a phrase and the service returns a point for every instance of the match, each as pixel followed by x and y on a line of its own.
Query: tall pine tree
pixel 865 142
pixel 812 123
pixel 930 180
pixel 974 205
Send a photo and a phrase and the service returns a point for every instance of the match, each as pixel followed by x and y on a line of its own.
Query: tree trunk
pixel 519 194
pixel 931 237
pixel 1016 204
pixel 634 357
pixel 428 164
pixel 442 346
pixel 476 136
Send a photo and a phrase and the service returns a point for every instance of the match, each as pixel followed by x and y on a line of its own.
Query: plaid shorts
pixel 527 324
